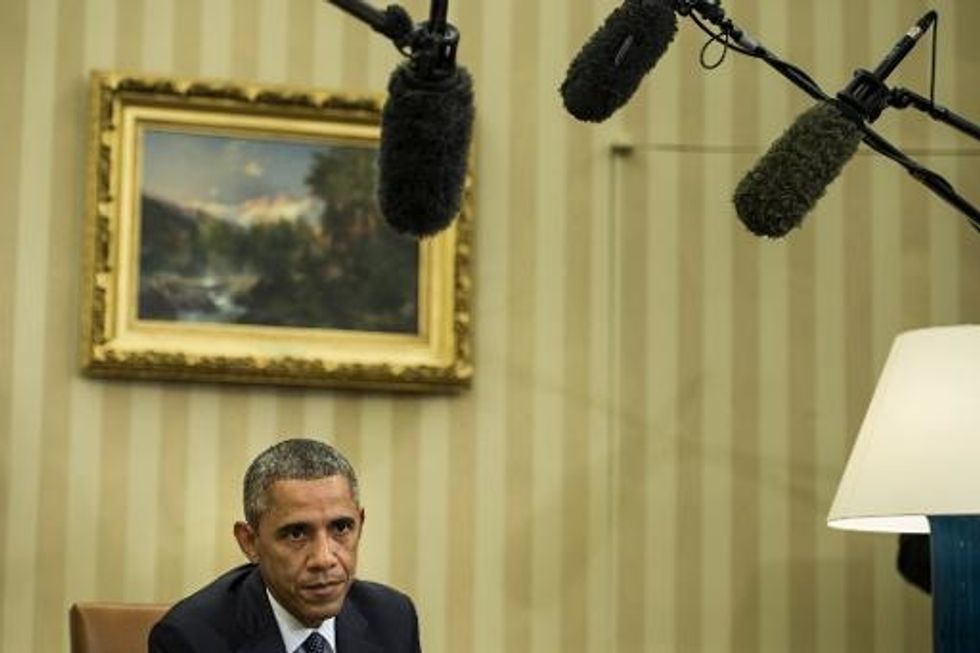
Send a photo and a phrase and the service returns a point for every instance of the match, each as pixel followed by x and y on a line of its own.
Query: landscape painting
pixel 232 234
pixel 272 232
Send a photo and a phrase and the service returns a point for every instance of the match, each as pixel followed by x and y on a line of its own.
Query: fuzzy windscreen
pixel 613 62
pixel 425 138
pixel 788 180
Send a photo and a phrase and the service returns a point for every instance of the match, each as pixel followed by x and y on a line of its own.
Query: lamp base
pixel 955 544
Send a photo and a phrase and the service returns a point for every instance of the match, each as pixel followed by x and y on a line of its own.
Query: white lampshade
pixel 918 450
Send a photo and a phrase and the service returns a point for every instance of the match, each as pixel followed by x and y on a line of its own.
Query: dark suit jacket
pixel 233 615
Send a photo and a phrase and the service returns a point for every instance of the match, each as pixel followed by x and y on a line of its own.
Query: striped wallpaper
pixel 662 403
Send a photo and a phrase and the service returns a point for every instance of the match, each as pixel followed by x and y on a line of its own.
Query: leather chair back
pixel 112 627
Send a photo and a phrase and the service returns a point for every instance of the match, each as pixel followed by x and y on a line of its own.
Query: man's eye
pixel 295 533
pixel 343 527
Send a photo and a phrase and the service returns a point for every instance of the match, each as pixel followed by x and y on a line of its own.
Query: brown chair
pixel 112 627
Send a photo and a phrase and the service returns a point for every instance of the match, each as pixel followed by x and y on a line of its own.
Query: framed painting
pixel 232 234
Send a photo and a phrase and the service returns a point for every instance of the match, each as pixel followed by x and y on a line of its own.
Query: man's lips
pixel 324 589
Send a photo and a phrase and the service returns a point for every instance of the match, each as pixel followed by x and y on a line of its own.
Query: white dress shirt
pixel 295 633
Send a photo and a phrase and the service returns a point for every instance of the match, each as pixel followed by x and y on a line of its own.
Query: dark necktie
pixel 316 643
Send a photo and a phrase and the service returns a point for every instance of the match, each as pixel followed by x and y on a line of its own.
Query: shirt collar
pixel 295 633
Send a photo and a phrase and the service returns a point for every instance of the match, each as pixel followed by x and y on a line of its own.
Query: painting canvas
pixel 233 235
pixel 269 232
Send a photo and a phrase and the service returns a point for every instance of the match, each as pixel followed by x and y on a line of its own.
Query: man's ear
pixel 247 537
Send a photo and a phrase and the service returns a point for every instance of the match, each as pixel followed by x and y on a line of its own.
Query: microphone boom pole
pixel 437 15
pixel 931 180
pixel 364 12
pixel 902 98
pixel 712 11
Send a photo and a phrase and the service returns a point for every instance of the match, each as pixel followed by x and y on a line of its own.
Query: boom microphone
pixel 426 125
pixel 788 180
pixel 426 122
pixel 613 62
pixel 786 183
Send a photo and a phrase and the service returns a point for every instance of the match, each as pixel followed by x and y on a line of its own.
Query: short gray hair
pixel 294 459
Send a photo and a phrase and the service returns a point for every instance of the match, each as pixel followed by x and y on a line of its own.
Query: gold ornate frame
pixel 115 342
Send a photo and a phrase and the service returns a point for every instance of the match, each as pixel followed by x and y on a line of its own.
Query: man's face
pixel 306 545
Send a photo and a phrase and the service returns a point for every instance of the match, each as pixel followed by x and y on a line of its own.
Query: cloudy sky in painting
pixel 247 180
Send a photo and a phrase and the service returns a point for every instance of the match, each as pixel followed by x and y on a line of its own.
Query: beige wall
pixel 662 403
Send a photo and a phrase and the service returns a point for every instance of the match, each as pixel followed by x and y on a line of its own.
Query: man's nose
pixel 323 553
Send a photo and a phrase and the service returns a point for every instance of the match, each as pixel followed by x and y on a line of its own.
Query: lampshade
pixel 918 451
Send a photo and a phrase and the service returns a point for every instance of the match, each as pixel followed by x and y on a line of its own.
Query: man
pixel 298 594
